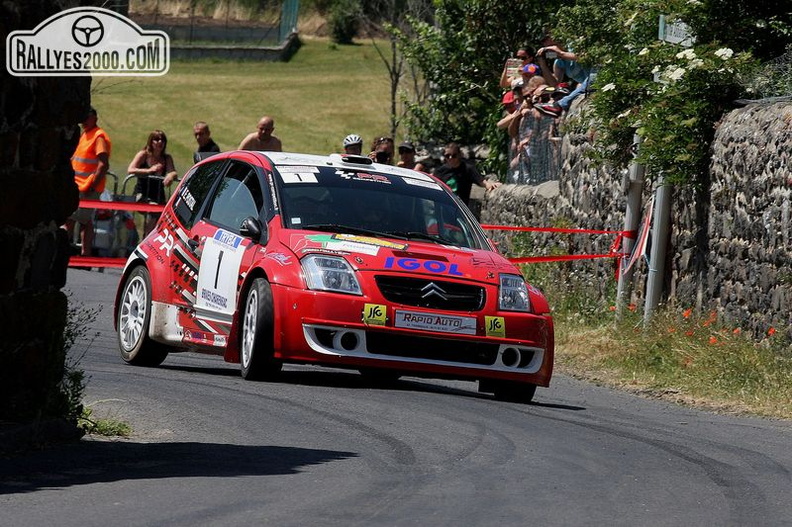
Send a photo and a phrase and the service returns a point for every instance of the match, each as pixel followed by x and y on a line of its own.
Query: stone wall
pixel 38 134
pixel 729 246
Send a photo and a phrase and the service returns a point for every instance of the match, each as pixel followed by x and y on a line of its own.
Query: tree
pixel 671 94
pixel 393 16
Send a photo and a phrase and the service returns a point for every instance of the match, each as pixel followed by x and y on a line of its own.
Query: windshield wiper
pixel 347 229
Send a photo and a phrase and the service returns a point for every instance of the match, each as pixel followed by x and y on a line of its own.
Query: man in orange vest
pixel 90 162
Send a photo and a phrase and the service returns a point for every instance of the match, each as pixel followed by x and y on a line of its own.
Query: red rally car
pixel 266 258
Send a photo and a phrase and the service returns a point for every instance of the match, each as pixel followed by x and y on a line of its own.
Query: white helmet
pixel 353 139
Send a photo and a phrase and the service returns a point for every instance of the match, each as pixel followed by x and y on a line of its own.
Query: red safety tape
pixel 120 205
pixel 566 257
pixel 563 257
pixel 96 261
pixel 100 261
pixel 630 234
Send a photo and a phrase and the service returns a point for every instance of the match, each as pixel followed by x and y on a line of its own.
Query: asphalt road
pixel 319 448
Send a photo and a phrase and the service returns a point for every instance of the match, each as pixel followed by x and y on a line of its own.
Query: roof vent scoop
pixel 349 159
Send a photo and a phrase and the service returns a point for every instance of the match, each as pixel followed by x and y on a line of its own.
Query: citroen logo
pixel 432 289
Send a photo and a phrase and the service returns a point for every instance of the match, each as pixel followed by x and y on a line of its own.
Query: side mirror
pixel 252 228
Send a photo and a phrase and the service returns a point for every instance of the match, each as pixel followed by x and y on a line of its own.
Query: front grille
pixel 432 294
pixel 447 350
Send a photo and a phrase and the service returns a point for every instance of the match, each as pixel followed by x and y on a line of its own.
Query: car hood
pixel 368 253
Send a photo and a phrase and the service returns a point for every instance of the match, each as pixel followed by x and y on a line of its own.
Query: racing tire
pixel 514 392
pixel 134 316
pixel 257 345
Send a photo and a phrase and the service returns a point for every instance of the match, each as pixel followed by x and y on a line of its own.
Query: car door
pixel 222 250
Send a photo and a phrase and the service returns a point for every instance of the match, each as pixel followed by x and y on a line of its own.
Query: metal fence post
pixel 633 187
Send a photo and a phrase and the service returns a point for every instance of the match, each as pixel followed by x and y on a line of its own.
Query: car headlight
pixel 330 273
pixel 513 294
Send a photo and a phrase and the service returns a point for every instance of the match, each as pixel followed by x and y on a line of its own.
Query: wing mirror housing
pixel 253 228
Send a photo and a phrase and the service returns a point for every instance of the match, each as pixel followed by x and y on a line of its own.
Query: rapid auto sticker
pixel 375 314
pixel 219 272
pixel 433 322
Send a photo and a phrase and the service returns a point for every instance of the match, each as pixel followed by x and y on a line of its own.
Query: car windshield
pixel 374 203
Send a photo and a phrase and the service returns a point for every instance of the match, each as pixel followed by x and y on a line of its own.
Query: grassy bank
pixel 683 358
pixel 324 93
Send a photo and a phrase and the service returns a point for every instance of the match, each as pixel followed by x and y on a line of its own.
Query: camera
pixel 382 156
pixel 550 55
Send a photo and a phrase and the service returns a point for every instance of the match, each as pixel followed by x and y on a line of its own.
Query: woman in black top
pixel 154 169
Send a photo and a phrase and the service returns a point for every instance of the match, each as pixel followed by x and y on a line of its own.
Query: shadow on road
pixel 89 462
pixel 334 378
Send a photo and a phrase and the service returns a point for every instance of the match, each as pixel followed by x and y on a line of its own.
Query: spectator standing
pixel 382 150
pixel 91 161
pixel 262 138
pixel 535 133
pixel 512 105
pixel 460 175
pixel 203 136
pixel 407 157
pixel 353 144
pixel 154 169
pixel 512 67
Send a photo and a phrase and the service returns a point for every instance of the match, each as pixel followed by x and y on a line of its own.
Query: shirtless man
pixel 262 139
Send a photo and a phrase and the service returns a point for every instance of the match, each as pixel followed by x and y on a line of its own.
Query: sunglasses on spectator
pixel 451 156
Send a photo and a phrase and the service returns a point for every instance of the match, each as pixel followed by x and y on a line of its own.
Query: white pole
pixel 657 258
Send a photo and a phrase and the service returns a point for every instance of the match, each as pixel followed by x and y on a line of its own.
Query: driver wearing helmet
pixel 353 144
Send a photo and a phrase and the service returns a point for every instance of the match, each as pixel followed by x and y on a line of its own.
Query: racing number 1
pixel 217 272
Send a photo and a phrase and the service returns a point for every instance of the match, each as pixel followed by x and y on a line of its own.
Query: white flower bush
pixel 676 74
pixel 724 53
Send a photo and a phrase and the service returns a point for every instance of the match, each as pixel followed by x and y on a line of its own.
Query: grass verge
pixel 682 358
pixel 103 427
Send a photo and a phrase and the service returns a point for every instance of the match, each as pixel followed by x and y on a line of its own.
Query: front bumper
pixel 331 329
